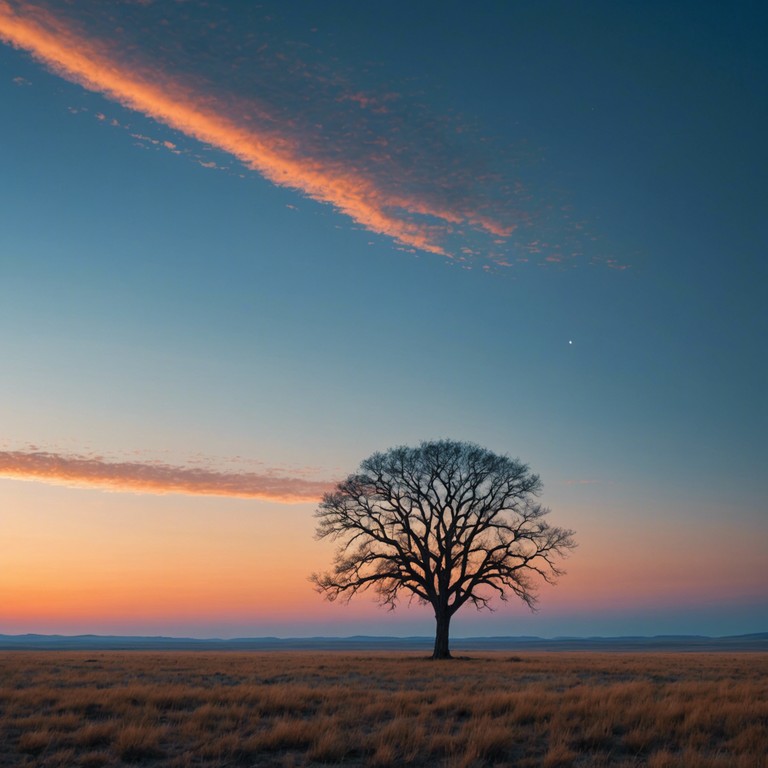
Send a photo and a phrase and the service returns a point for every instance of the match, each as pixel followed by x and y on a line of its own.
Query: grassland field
pixel 291 709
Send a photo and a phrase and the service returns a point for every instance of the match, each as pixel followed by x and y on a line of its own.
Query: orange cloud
pixel 156 478
pixel 226 121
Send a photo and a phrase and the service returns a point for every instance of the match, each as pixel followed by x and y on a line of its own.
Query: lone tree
pixel 445 523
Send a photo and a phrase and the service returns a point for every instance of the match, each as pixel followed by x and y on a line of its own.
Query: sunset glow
pixel 245 247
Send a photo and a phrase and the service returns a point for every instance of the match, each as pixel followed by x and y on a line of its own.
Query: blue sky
pixel 588 295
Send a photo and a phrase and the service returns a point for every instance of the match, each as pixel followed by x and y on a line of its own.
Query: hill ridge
pixel 756 641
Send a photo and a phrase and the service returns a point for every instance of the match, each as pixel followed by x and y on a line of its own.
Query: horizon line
pixel 243 638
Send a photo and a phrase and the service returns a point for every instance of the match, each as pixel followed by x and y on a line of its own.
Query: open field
pixel 92 709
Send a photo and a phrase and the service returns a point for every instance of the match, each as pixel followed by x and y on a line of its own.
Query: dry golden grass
pixel 292 709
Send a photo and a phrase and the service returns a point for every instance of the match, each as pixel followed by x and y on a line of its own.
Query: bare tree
pixel 446 523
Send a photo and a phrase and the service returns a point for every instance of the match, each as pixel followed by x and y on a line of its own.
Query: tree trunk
pixel 442 651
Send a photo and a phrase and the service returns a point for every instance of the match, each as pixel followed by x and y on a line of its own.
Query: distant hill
pixel 753 642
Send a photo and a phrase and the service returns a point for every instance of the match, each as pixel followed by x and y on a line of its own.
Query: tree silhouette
pixel 446 523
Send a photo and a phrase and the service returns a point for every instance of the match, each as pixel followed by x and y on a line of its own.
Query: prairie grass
pixel 296 709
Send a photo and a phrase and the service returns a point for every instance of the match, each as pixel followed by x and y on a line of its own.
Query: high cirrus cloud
pixel 286 110
pixel 156 478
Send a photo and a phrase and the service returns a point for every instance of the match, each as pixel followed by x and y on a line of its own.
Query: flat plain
pixel 289 709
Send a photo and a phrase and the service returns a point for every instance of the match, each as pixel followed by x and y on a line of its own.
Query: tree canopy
pixel 445 523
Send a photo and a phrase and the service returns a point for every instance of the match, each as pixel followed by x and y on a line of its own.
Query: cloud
pixel 157 478
pixel 283 103
pixel 278 123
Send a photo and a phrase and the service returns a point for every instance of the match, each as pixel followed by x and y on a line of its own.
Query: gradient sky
pixel 243 246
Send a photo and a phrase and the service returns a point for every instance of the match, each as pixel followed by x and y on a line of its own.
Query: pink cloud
pixel 293 113
pixel 157 478
pixel 252 131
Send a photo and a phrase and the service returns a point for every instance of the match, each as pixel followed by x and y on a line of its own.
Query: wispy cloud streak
pixel 347 154
pixel 278 99
pixel 156 478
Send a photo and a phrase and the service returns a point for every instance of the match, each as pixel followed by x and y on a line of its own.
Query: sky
pixel 245 245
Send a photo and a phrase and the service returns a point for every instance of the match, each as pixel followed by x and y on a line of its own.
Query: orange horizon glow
pixel 200 115
pixel 76 557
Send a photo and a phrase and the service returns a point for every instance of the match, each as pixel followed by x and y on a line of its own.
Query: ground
pixel 660 710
